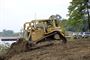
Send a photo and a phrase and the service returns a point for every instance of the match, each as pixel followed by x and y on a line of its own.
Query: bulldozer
pixel 38 32
pixel 41 30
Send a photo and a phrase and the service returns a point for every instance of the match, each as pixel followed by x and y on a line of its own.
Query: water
pixel 6 42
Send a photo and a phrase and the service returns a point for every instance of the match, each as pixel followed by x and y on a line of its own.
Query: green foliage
pixel 77 14
pixel 8 33
pixel 4 48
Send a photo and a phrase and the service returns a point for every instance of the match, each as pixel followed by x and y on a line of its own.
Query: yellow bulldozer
pixel 44 30
pixel 36 33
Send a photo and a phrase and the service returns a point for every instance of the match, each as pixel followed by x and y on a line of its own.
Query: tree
pixel 78 10
pixel 8 32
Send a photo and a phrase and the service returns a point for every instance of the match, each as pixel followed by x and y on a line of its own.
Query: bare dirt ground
pixel 79 49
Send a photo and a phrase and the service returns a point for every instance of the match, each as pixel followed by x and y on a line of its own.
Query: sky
pixel 14 13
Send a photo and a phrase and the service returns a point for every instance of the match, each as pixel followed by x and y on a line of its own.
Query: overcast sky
pixel 14 13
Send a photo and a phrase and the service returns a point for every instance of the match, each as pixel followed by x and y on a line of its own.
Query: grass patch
pixel 3 49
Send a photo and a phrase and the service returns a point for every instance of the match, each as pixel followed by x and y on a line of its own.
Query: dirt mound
pixel 1 57
pixel 76 50
pixel 73 50
pixel 16 48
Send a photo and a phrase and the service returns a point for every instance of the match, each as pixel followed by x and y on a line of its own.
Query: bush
pixel 4 48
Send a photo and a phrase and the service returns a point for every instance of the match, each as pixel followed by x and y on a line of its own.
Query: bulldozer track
pixel 64 40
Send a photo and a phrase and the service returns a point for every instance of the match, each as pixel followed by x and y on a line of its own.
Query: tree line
pixel 7 33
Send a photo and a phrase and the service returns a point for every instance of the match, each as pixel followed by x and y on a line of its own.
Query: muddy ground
pixel 78 49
